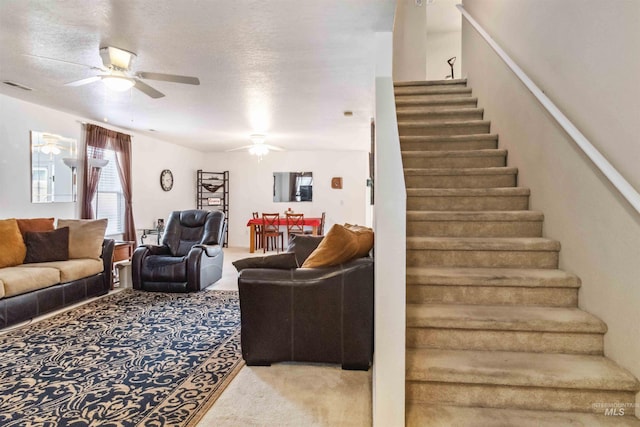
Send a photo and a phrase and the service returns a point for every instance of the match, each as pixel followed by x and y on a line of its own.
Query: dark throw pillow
pixel 47 245
pixel 303 245
pixel 285 261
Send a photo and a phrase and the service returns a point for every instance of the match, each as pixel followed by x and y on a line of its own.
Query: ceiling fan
pixel 258 147
pixel 117 75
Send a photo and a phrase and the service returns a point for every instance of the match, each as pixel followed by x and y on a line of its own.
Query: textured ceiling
pixel 288 68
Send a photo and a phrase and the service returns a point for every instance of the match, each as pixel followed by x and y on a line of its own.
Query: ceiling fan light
pixel 258 150
pixel 118 83
pixel 257 138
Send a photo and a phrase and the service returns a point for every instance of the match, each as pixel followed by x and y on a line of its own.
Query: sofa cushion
pixel 285 261
pixel 364 236
pixel 22 279
pixel 12 247
pixel 35 224
pixel 302 246
pixel 85 236
pixel 47 245
pixel 338 246
pixel 73 269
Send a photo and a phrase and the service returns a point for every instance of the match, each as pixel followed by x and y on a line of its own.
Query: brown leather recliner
pixel 308 314
pixel 190 258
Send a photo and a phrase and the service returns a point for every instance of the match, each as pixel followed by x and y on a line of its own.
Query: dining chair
pixel 258 229
pixel 320 228
pixel 271 231
pixel 295 224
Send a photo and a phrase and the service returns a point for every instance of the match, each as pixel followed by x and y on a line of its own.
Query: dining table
pixel 314 223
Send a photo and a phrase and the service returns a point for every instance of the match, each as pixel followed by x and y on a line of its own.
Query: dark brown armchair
pixel 308 314
pixel 190 257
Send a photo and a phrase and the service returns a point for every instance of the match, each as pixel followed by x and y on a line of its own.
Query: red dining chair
pixel 295 224
pixel 258 231
pixel 271 231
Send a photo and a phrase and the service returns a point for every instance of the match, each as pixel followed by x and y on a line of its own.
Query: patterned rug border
pixel 188 401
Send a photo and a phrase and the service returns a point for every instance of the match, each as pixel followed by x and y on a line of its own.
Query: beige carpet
pixel 289 394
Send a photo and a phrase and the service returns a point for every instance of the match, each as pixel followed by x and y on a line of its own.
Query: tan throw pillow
pixel 365 238
pixel 12 247
pixel 35 224
pixel 85 236
pixel 338 246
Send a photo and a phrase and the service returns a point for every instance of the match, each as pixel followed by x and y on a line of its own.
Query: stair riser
pixel 454 162
pixel 431 90
pixel 442 130
pixel 447 145
pixel 534 398
pixel 458 258
pixel 429 105
pixel 475 228
pixel 460 181
pixel 489 340
pixel 468 203
pixel 492 295
pixel 438 113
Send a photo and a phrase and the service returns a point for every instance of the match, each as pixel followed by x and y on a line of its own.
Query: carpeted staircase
pixel 494 333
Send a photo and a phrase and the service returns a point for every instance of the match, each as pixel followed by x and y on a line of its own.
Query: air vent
pixel 18 85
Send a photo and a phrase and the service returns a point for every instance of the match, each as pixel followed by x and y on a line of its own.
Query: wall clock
pixel 166 180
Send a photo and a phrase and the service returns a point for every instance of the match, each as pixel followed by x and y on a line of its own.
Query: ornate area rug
pixel 129 359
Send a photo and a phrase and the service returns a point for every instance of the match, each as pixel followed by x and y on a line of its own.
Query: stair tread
pixel 455 153
pixel 403 83
pixel 504 318
pixel 442 122
pixel 475 216
pixel 497 170
pixel 465 192
pixel 483 243
pixel 402 91
pixel 520 277
pixel 449 138
pixel 518 369
pixel 423 415
pixel 439 111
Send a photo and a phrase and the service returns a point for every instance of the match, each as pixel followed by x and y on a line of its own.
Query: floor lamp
pixel 98 164
pixel 72 163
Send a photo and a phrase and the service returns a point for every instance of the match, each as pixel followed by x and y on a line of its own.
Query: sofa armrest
pixel 108 246
pixel 204 266
pixel 209 250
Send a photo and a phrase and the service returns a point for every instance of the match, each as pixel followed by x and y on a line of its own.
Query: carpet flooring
pixel 129 359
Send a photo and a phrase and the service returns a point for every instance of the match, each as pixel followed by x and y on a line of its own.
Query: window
pixel 109 200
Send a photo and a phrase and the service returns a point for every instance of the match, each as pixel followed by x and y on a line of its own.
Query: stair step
pixel 443 127
pixel 449 142
pixel 552 288
pixel 475 223
pixel 529 252
pixel 468 199
pixel 454 159
pixel 498 379
pixel 436 103
pixel 504 328
pixel 460 177
pixel 401 91
pixel 448 82
pixel 420 415
pixel 429 113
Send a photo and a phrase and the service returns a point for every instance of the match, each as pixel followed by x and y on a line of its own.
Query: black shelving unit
pixel 212 193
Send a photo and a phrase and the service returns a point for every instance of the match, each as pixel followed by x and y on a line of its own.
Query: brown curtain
pixel 100 139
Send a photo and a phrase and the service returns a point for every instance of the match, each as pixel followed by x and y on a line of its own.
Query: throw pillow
pixel 302 246
pixel 365 238
pixel 35 224
pixel 47 245
pixel 12 248
pixel 285 261
pixel 338 246
pixel 85 236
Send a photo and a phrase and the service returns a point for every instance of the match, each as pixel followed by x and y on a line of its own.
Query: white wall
pixel 149 157
pixel 584 56
pixel 251 186
pixel 409 41
pixel 441 47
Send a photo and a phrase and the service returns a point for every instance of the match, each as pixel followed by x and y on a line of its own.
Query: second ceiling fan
pixel 117 74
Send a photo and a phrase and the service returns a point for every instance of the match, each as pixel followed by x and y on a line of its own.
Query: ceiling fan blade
pixel 91 67
pixel 83 81
pixel 274 148
pixel 148 90
pixel 169 78
pixel 240 148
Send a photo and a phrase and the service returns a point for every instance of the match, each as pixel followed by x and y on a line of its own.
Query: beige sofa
pixel 29 287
